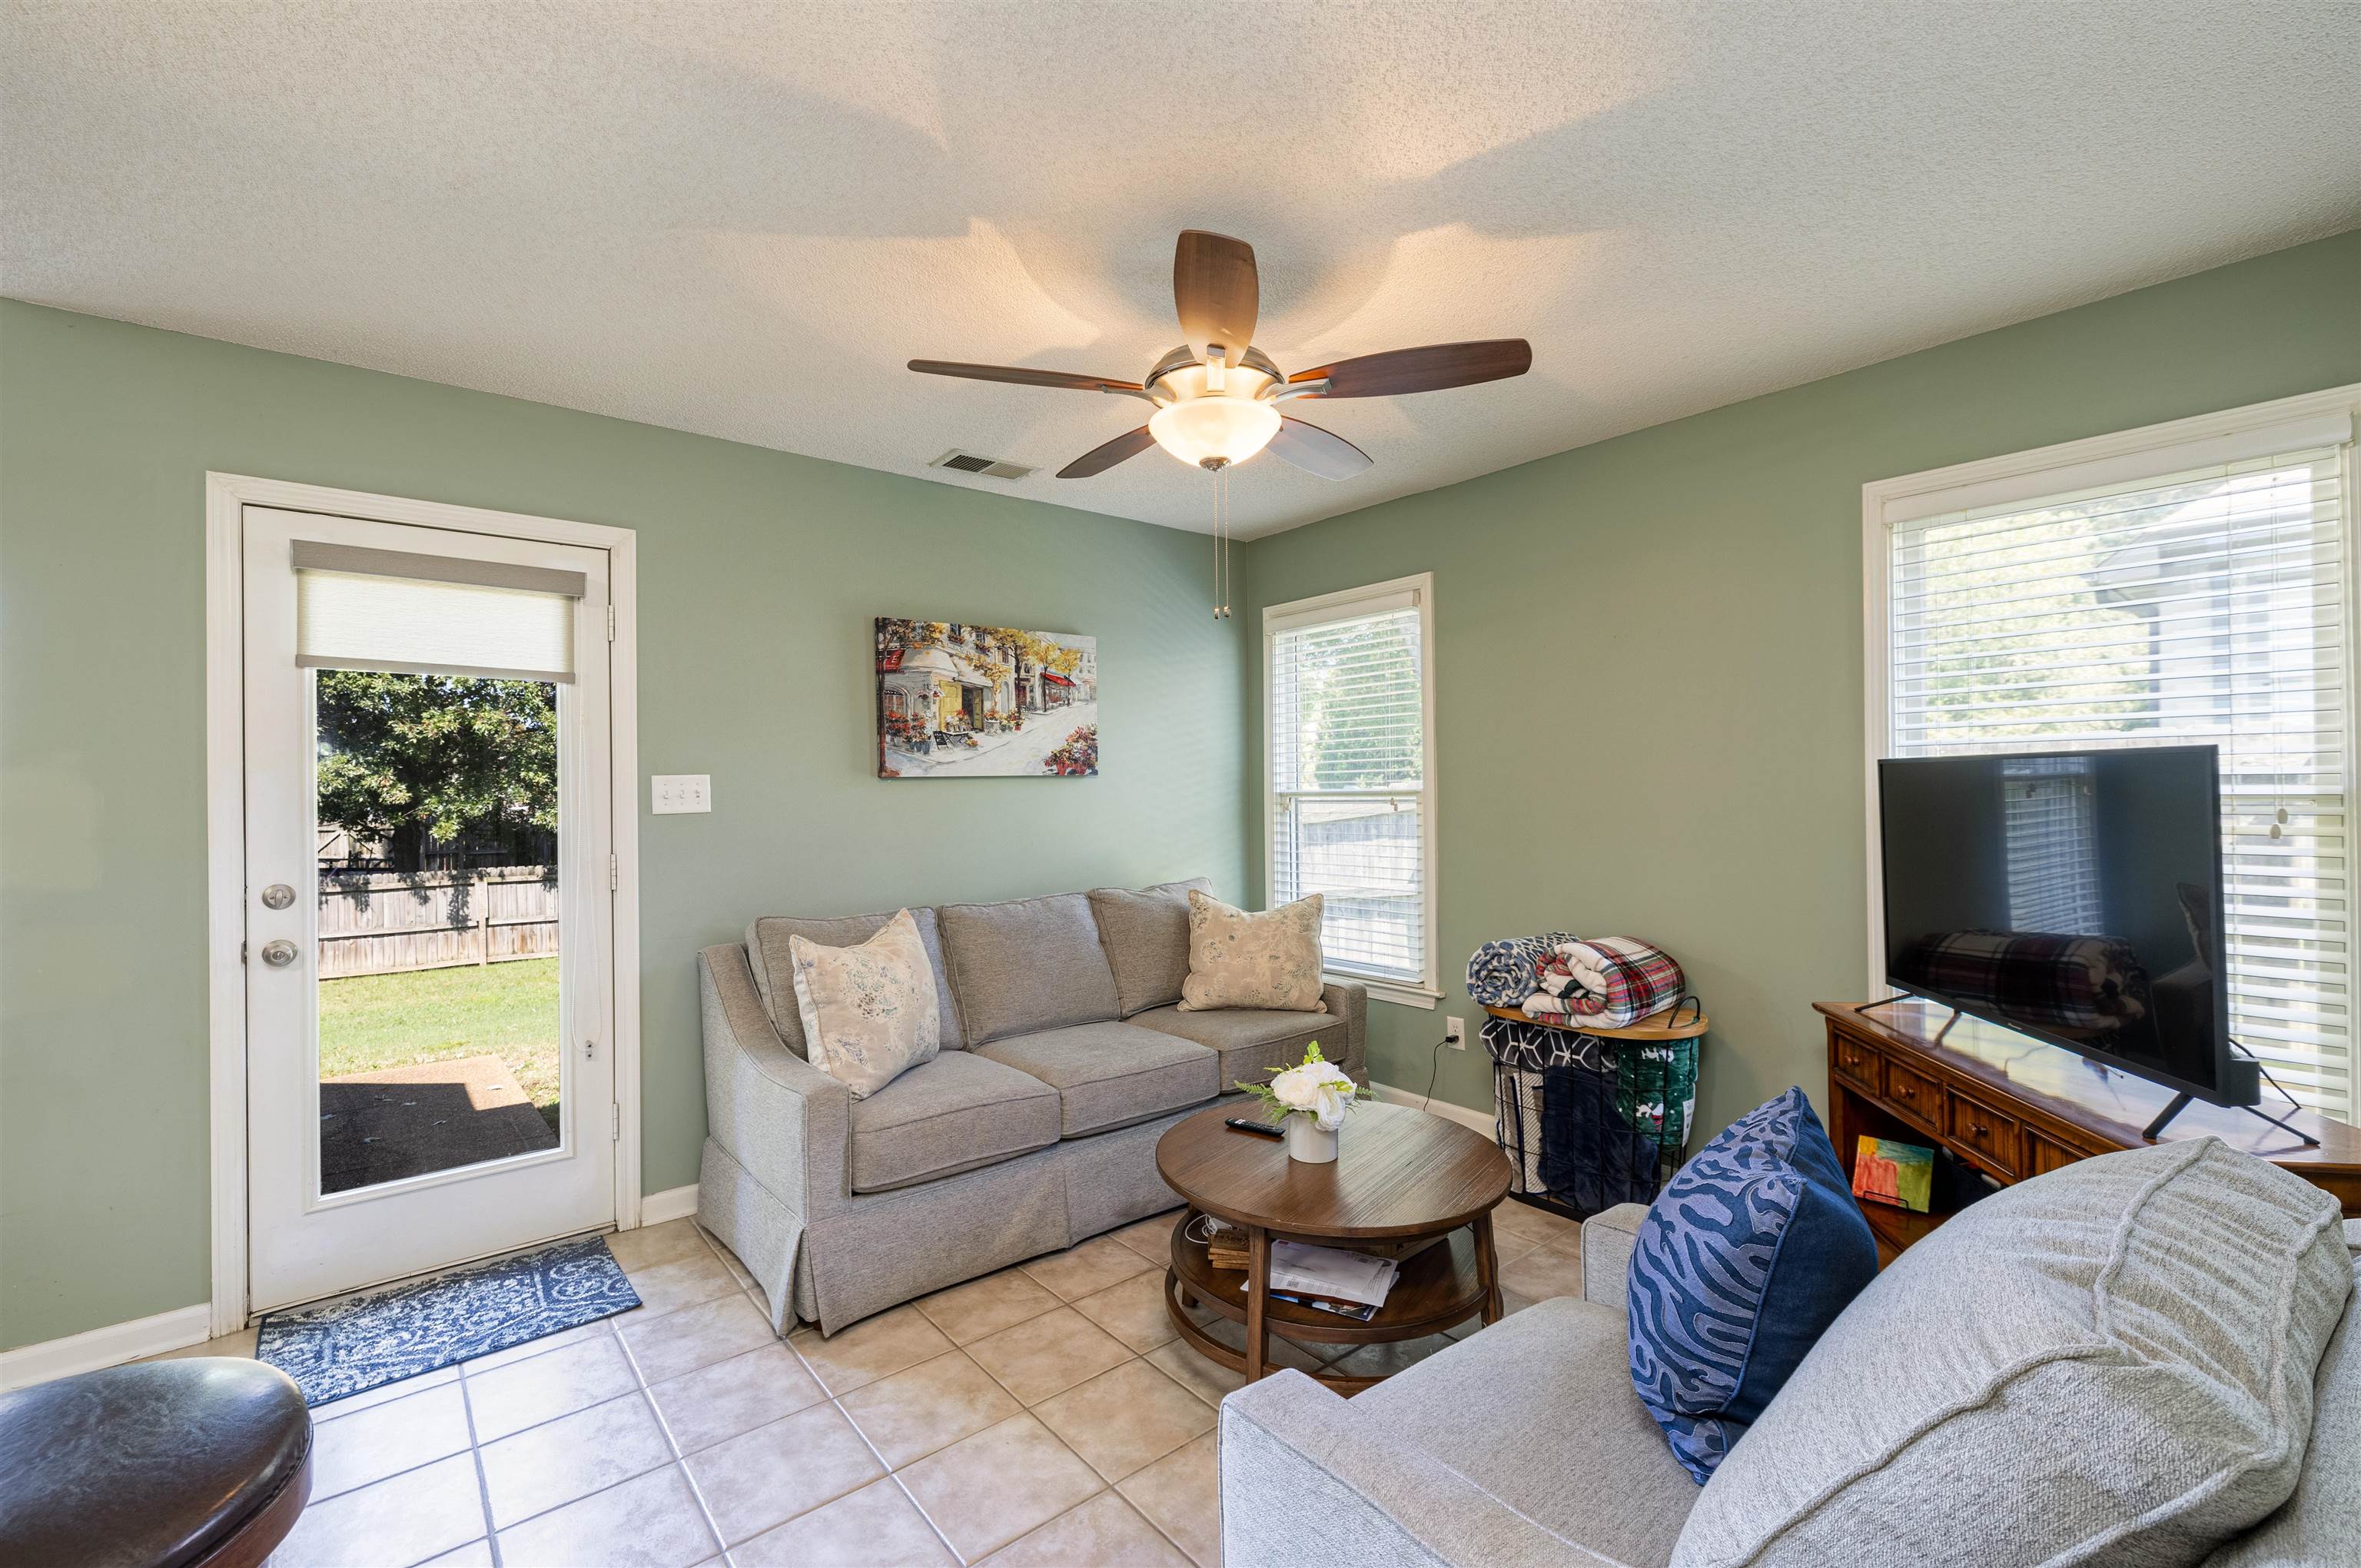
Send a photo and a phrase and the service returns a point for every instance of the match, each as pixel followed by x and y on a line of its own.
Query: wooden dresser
pixel 2012 1107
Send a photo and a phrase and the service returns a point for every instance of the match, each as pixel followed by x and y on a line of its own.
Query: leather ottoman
pixel 205 1460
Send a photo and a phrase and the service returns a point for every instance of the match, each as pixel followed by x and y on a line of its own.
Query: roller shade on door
pixel 360 609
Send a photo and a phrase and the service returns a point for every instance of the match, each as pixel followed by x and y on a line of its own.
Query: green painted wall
pixel 1648 651
pixel 1709 570
pixel 759 573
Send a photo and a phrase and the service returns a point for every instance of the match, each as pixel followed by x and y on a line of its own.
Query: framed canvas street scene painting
pixel 970 702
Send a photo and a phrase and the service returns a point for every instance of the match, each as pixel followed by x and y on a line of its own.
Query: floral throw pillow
pixel 1241 959
pixel 869 1012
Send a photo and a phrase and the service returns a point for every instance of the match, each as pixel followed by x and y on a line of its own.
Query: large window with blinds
pixel 2198 590
pixel 1351 799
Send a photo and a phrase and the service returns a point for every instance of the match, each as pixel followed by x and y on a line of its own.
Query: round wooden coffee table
pixel 1399 1174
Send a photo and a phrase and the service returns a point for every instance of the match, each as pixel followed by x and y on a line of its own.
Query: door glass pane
pixel 439 1018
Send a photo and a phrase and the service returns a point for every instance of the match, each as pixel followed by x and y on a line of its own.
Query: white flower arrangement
pixel 1315 1087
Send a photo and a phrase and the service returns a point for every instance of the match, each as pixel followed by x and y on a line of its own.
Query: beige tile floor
pixel 1045 1414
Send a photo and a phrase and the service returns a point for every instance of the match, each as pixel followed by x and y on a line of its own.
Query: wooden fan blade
pixel 1427 369
pixel 1217 293
pixel 1317 451
pixel 1023 377
pixel 1099 459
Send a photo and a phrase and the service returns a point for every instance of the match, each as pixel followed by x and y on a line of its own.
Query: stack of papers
pixel 1302 1269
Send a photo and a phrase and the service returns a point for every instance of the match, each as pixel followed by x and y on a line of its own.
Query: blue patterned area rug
pixel 383 1336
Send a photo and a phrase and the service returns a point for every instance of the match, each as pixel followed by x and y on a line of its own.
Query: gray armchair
pixel 1523 1447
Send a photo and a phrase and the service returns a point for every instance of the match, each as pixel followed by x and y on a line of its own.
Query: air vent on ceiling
pixel 969 463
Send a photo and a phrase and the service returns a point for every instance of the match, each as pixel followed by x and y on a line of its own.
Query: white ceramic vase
pixel 1307 1142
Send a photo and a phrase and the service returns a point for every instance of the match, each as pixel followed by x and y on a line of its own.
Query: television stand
pixel 2180 1103
pixel 2012 1107
pixel 1864 1008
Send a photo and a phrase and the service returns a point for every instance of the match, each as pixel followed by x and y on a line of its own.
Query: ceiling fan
pixel 1217 395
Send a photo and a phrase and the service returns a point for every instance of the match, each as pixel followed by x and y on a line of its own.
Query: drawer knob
pixel 1978 1128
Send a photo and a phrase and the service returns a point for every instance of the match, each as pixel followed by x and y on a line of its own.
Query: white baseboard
pixel 673 1203
pixel 1443 1108
pixel 109 1346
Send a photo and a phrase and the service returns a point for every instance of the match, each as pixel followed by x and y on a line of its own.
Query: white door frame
pixel 226 497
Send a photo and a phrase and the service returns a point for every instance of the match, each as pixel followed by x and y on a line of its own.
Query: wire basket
pixel 1589 1123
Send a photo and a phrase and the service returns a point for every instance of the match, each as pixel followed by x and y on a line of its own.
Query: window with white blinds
pixel 1352 782
pixel 2188 598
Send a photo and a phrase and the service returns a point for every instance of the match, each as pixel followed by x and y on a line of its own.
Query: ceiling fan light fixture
pixel 1217 430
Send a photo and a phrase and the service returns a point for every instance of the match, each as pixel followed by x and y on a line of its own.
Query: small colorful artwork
pixel 1902 1175
pixel 961 701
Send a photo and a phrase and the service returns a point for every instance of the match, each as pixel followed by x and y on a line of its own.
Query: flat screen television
pixel 2075 896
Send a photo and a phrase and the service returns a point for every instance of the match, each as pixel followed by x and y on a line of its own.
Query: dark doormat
pixel 416 1120
pixel 360 1343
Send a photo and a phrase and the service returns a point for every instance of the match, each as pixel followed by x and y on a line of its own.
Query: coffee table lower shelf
pixel 1440 1288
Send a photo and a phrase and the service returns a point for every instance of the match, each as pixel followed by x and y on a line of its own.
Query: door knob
pixel 278 896
pixel 278 953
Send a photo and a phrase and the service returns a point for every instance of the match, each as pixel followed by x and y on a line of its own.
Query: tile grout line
pixel 892 1473
pixel 895 1474
pixel 827 1396
pixel 643 1390
pixel 595 1491
pixel 476 1456
pixel 704 1507
pixel 679 1459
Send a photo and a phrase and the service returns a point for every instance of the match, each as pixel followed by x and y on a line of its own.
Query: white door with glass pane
pixel 428 921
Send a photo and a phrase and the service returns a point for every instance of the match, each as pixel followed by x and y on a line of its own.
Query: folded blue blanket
pixel 1503 973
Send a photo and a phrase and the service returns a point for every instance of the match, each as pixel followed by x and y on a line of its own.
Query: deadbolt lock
pixel 278 896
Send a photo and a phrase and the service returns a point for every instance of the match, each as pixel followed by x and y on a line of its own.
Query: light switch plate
pixel 670 793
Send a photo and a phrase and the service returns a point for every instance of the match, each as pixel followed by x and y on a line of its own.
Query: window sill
pixel 1400 995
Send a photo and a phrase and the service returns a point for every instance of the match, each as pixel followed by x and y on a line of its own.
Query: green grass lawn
pixel 509 1010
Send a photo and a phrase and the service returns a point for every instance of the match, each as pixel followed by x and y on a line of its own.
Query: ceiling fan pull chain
pixel 1227 579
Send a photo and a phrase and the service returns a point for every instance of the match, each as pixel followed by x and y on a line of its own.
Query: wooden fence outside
pixel 391 922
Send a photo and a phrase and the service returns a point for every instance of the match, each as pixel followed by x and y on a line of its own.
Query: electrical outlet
pixel 669 794
pixel 1454 1033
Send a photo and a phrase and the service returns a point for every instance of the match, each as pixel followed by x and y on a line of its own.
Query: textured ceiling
pixel 740 219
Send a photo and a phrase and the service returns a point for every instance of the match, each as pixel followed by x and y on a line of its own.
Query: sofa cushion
pixel 2322 1522
pixel 949 1115
pixel 1251 1040
pixel 1109 1075
pixel 2112 1363
pixel 1744 1260
pixel 774 970
pixel 1026 965
pixel 1145 935
pixel 1534 1406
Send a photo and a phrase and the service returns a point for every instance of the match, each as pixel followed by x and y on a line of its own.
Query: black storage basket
pixel 1588 1122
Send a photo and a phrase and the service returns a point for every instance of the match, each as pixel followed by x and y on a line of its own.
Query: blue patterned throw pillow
pixel 1745 1258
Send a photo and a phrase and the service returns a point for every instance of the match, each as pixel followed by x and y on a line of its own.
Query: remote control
pixel 1265 1128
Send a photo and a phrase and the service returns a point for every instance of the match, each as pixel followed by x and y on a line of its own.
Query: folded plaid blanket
pixel 1503 973
pixel 1604 983
pixel 2054 980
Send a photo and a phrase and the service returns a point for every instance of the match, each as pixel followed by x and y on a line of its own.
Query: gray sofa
pixel 1525 1446
pixel 1064 1059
